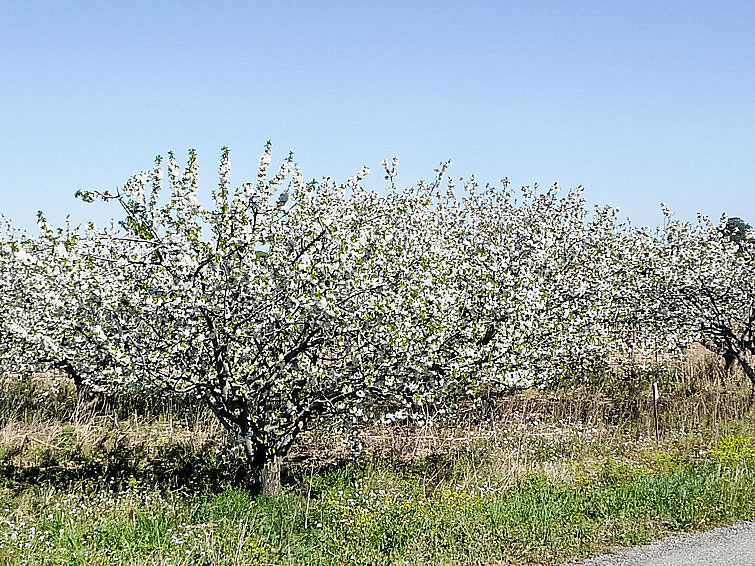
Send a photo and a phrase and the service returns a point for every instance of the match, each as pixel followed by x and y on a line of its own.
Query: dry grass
pixel 43 424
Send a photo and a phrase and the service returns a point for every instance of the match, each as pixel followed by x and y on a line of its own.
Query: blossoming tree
pixel 709 282
pixel 58 307
pixel 279 306
pixel 287 303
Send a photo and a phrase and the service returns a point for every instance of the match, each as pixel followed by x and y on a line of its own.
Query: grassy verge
pixel 369 513
pixel 541 479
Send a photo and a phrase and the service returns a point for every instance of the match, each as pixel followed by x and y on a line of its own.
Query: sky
pixel 639 102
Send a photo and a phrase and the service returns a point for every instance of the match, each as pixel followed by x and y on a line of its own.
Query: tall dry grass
pixel 45 426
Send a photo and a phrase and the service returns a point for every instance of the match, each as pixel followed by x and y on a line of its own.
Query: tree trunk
pixel 747 368
pixel 270 477
pixel 70 371
pixel 83 391
pixel 266 468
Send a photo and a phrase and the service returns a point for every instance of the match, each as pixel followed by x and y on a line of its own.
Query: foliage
pixel 737 230
pixel 530 485
pixel 735 450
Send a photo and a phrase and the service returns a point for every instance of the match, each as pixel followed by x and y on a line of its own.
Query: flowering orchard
pixel 287 303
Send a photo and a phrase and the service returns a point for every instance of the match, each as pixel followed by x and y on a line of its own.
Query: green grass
pixel 373 513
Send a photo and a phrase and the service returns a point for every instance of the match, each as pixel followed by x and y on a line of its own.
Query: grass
pixel 534 478
pixel 368 513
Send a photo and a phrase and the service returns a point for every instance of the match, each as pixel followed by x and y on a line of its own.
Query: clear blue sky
pixel 640 102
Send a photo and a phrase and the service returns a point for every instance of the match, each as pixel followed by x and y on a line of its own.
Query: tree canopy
pixel 286 303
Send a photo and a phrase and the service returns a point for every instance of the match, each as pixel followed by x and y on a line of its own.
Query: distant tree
pixel 737 230
pixel 711 288
pixel 56 312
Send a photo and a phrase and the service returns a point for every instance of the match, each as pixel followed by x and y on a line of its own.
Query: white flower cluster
pixel 288 302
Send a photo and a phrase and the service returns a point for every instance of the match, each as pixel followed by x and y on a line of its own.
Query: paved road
pixel 727 546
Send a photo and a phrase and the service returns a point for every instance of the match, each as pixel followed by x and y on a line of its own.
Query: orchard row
pixel 286 303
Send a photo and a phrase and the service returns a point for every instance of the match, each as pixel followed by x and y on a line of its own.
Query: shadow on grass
pixel 173 467
pixel 208 469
